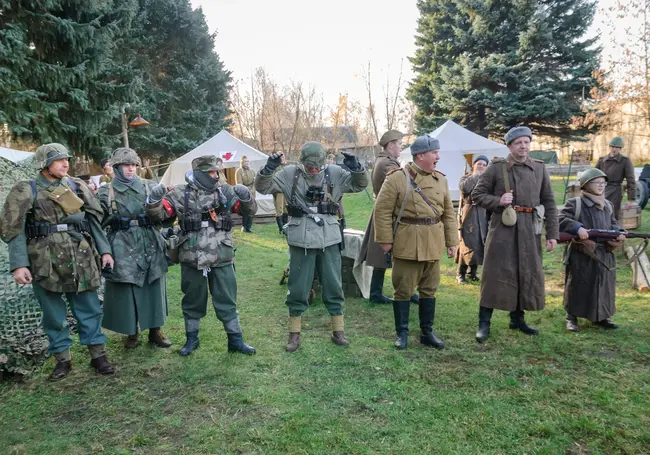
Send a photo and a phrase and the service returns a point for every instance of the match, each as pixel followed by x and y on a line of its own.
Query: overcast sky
pixel 326 44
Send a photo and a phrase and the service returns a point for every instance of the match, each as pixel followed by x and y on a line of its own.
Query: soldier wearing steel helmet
pixel 56 243
pixel 203 207
pixel 135 298
pixel 312 190
pixel 618 168
pixel 590 280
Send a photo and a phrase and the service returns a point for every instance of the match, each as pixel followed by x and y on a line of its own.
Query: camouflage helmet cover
pixel 205 163
pixel 617 142
pixel 313 154
pixel 124 155
pixel 590 174
pixel 46 154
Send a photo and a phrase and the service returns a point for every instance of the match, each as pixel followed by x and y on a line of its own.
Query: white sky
pixel 325 44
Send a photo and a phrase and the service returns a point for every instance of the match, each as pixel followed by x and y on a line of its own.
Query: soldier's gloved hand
pixel 157 193
pixel 274 161
pixel 242 192
pixel 351 161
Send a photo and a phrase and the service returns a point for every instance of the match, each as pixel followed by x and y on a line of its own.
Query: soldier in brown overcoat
pixel 417 200
pixel 618 168
pixel 371 252
pixel 513 279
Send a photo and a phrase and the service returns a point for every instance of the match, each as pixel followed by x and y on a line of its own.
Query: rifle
pixel 603 234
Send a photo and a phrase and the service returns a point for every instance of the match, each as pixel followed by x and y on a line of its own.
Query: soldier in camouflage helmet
pixel 52 227
pixel 135 297
pixel 313 191
pixel 203 207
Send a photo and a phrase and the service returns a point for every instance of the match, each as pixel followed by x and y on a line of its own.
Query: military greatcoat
pixel 472 224
pixel 617 169
pixel 513 278
pixel 135 291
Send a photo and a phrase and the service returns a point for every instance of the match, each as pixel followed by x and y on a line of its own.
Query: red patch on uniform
pixel 168 207
pixel 236 207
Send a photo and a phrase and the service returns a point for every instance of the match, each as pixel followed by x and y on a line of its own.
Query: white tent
pixel 230 149
pixel 14 155
pixel 458 147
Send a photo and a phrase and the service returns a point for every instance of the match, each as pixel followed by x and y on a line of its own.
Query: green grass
pixel 585 393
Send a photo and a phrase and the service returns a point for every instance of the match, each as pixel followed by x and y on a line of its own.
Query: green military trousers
pixel 85 308
pixel 327 264
pixel 222 284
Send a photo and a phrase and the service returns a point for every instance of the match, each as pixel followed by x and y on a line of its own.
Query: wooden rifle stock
pixel 603 234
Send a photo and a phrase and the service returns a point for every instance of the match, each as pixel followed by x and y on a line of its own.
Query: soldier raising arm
pixel 51 225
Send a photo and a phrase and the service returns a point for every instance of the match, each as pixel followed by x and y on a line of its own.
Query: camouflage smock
pixel 207 247
pixel 139 252
pixel 60 261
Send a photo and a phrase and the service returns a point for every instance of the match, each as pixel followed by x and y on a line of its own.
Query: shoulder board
pixel 497 159
pixel 538 161
pixel 392 171
pixel 438 172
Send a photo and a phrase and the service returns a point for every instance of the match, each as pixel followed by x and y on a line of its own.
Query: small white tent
pixel 230 150
pixel 14 156
pixel 458 147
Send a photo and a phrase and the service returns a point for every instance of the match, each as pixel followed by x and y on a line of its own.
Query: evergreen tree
pixel 493 64
pixel 57 78
pixel 185 85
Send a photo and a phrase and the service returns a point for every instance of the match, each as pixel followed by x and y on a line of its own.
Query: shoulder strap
pixel 186 202
pixel 609 205
pixel 576 215
pixel 406 196
pixel 112 203
pixel 32 184
pixel 418 190
pixel 294 185
pixel 506 180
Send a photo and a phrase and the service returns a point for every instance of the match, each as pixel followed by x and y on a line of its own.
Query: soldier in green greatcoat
pixel 135 297
pixel 313 191
pixel 52 227
pixel 203 207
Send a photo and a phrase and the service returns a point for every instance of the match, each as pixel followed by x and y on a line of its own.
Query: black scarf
pixel 205 182
pixel 119 176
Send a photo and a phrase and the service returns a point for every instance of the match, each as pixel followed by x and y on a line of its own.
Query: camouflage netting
pixel 23 345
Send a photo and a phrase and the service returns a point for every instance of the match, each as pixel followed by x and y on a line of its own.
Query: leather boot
pixel 427 316
pixel 236 344
pixel 278 220
pixel 415 299
pixel 517 322
pixel 102 365
pixel 377 287
pixel 294 334
pixel 460 274
pixel 338 331
pixel 249 225
pixel 607 324
pixel 156 337
pixel 63 365
pixel 401 314
pixel 472 273
pixel 484 318
pixel 131 341
pixel 572 323
pixel 191 343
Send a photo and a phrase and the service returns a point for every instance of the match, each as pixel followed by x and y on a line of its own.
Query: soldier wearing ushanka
pixel 52 227
pixel 135 297
pixel 203 207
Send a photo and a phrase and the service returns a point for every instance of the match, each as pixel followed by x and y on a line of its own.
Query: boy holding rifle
pixel 590 283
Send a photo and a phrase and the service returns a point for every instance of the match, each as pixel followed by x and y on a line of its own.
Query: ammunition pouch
pixel 224 223
pixel 322 208
pixel 124 223
pixel 39 229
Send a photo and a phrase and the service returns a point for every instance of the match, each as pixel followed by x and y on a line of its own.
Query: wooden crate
pixel 573 190
pixel 630 218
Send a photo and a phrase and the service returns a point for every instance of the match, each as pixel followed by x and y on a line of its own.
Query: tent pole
pixel 568 174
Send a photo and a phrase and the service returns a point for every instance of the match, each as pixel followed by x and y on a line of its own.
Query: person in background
pixel 108 171
pixel 618 168
pixel 246 176
pixel 331 159
pixel 222 174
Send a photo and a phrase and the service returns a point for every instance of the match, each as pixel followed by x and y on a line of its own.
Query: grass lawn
pixel 558 393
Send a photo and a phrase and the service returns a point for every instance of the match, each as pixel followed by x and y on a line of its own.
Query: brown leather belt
pixel 423 221
pixel 519 208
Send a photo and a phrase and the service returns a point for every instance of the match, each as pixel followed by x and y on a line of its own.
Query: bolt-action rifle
pixel 603 234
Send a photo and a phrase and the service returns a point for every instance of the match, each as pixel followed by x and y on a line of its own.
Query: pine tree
pixel 57 78
pixel 493 64
pixel 185 85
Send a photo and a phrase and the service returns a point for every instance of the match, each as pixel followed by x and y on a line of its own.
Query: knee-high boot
pixel 401 313
pixel 377 287
pixel 427 316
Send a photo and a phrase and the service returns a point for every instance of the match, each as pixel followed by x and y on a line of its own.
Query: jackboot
pixel 401 313
pixel 191 343
pixel 294 334
pixel 278 220
pixel 484 318
pixel 415 299
pixel 460 274
pixel 427 316
pixel 156 337
pixel 131 341
pixel 607 324
pixel 236 344
pixel 517 322
pixel 98 359
pixel 572 323
pixel 63 365
pixel 377 287
pixel 249 226
pixel 338 331
pixel 472 273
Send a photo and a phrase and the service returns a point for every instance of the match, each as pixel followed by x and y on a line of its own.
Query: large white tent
pixel 458 147
pixel 230 149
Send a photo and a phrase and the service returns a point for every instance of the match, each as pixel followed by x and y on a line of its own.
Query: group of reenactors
pixel 62 239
